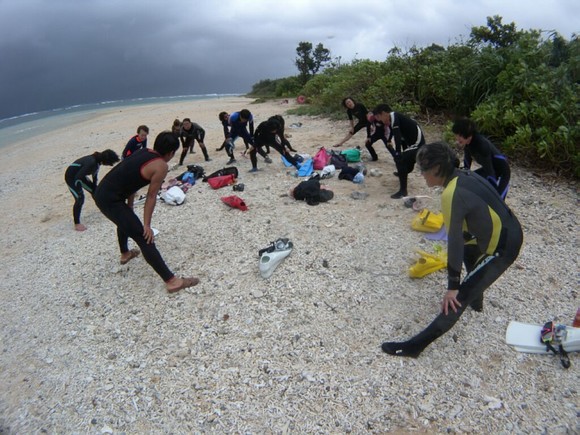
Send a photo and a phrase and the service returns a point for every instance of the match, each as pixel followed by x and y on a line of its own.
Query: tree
pixel 310 62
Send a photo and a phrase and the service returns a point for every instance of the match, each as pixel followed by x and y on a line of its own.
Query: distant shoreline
pixel 34 124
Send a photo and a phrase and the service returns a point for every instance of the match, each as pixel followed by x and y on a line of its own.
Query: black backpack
pixel 232 170
pixel 197 171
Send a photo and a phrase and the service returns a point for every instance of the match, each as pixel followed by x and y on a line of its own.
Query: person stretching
pixel 115 195
pixel 494 165
pixel 77 179
pixel 483 234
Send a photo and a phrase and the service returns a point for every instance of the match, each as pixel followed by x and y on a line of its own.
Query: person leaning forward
pixel 114 197
pixel 483 234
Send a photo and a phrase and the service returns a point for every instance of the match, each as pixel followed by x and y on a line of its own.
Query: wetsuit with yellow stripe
pixel 483 234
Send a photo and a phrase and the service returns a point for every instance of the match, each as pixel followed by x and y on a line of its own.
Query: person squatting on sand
pixel 483 234
pixel 115 195
pixel 77 179
pixel 494 165
pixel 188 134
pixel 408 138
pixel 137 142
pixel 358 111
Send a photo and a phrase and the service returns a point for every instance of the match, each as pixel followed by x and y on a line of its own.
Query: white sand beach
pixel 90 346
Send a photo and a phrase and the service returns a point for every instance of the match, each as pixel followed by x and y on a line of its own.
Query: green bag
pixel 352 155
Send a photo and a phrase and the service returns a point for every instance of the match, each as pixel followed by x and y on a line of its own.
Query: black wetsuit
pixel 484 235
pixel 77 179
pixel 188 138
pixel 111 197
pixel 494 165
pixel 359 111
pixel 408 138
pixel 377 132
pixel 263 137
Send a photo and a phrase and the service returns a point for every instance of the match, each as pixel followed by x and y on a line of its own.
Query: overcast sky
pixel 56 53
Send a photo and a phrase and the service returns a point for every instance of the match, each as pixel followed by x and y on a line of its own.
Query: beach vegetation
pixel 521 87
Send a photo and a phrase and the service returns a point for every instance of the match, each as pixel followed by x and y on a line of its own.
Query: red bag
pixel 224 180
pixel 321 159
pixel 235 202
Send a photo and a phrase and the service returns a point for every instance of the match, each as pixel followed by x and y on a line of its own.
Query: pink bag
pixel 321 159
pixel 224 180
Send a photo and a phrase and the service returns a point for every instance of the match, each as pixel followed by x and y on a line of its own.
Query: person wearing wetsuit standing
pixel 77 179
pixel 115 195
pixel 408 138
pixel 358 111
pixel 483 234
pixel 494 165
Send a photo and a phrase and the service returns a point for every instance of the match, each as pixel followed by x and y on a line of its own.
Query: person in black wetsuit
pixel 281 134
pixel 494 165
pixel 377 132
pixel 137 142
pixel 77 179
pixel 408 138
pixel 358 111
pixel 267 134
pixel 483 234
pixel 116 193
pixel 188 134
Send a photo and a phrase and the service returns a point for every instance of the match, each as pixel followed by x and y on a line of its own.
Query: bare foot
pixel 175 284
pixel 80 227
pixel 129 255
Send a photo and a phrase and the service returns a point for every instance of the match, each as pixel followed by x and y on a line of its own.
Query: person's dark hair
pixel 464 127
pixel 381 108
pixel 279 119
pixel 107 157
pixel 272 124
pixel 344 101
pixel 222 116
pixel 245 113
pixel 144 128
pixel 186 120
pixel 177 123
pixel 166 143
pixel 436 154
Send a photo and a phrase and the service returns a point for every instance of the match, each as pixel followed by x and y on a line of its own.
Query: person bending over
pixel 377 132
pixel 483 234
pixel 188 134
pixel 239 123
pixel 358 111
pixel 281 133
pixel 115 195
pixel 408 138
pixel 77 179
pixel 494 165
pixel 224 118
pixel 267 134
pixel 137 142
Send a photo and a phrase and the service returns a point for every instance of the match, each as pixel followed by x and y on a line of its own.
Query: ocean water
pixel 32 124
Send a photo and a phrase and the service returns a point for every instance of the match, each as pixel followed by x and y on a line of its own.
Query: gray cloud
pixel 55 53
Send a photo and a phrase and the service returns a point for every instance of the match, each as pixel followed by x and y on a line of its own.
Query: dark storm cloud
pixel 55 53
